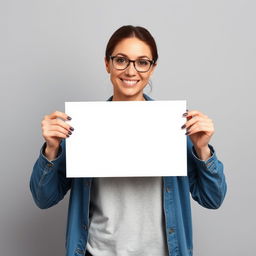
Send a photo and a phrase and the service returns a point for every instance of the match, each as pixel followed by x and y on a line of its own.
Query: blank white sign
pixel 126 138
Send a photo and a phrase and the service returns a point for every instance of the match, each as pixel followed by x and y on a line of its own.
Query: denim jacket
pixel 205 181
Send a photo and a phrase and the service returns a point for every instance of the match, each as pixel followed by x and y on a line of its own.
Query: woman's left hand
pixel 200 130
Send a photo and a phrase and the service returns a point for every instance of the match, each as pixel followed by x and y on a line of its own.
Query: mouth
pixel 129 83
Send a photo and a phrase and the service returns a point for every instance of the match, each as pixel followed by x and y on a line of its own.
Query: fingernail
pixel 69 132
pixel 71 128
pixel 69 118
pixel 183 126
pixel 187 133
pixel 67 135
pixel 185 114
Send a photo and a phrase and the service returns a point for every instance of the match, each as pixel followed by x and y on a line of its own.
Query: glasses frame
pixel 129 61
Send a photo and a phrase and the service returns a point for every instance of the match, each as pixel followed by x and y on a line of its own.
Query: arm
pixel 205 172
pixel 206 179
pixel 48 182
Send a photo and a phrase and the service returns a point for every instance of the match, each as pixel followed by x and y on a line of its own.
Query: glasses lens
pixel 120 62
pixel 142 65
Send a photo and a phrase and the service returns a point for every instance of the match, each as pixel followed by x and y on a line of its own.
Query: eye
pixel 120 60
pixel 143 62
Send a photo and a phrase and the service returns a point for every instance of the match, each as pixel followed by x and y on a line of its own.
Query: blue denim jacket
pixel 205 181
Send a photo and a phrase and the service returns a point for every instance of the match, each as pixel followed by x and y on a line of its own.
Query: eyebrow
pixel 140 57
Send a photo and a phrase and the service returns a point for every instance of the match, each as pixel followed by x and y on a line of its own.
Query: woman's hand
pixel 200 130
pixel 54 129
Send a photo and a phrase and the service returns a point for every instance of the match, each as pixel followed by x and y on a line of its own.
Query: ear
pixel 107 65
pixel 153 69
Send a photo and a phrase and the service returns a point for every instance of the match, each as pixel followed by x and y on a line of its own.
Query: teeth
pixel 130 82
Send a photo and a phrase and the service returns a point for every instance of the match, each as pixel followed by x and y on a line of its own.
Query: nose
pixel 130 70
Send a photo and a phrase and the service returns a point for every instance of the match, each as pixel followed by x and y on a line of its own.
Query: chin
pixel 130 92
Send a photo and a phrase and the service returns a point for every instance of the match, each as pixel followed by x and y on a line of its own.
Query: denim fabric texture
pixel 205 182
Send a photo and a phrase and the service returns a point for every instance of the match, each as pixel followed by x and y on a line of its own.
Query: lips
pixel 129 83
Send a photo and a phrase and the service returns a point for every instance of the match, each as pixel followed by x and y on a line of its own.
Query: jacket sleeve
pixel 206 179
pixel 48 182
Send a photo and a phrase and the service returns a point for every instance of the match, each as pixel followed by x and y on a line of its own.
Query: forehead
pixel 133 48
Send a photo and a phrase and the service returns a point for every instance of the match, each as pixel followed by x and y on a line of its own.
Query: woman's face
pixel 128 84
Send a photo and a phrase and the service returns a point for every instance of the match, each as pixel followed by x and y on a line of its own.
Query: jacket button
pixel 171 230
pixel 85 227
pixel 80 251
pixel 50 165
pixel 209 163
pixel 168 189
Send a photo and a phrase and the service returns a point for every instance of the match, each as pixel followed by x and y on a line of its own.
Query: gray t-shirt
pixel 127 217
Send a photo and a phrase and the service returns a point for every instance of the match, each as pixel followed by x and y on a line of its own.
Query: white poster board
pixel 126 138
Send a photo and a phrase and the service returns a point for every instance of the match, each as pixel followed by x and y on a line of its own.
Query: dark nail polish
pixel 183 126
pixel 187 133
pixel 69 118
pixel 71 129
pixel 185 114
pixel 69 132
pixel 67 135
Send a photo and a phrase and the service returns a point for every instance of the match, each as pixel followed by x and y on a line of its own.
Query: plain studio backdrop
pixel 52 52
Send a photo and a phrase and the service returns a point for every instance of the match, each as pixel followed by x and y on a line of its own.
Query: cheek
pixel 114 76
pixel 145 77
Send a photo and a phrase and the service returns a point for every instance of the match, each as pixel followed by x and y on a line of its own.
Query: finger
pixel 59 129
pixel 201 125
pixel 58 114
pixel 200 128
pixel 191 122
pixel 202 118
pixel 61 123
pixel 56 134
pixel 193 113
pixel 208 133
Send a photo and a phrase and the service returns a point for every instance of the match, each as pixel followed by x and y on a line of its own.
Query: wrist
pixel 51 152
pixel 203 153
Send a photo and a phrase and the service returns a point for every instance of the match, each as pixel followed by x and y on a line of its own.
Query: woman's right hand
pixel 54 129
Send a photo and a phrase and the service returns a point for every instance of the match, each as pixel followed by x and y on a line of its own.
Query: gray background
pixel 52 52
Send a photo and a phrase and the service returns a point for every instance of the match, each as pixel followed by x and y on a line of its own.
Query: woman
pixel 129 216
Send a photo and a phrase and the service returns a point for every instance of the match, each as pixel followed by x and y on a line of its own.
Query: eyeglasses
pixel 141 65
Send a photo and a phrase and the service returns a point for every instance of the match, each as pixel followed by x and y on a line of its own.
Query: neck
pixel 138 97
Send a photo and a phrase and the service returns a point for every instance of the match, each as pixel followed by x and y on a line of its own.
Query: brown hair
pixel 131 31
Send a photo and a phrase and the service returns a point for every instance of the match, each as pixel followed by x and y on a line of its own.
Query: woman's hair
pixel 128 32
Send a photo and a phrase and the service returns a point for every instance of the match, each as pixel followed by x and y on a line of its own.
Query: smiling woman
pixel 130 45
pixel 135 216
